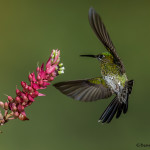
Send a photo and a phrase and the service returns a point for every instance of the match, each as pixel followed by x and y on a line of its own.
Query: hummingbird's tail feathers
pixel 118 104
pixel 119 110
pixel 85 90
pixel 128 88
pixel 130 85
pixel 110 111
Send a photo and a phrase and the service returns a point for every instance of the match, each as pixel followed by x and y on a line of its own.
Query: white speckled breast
pixel 113 83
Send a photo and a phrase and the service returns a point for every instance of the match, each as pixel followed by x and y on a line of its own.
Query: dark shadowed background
pixel 30 29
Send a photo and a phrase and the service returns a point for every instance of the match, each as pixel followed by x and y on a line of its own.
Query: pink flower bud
pixel 56 58
pixel 24 104
pixel 16 114
pixel 22 94
pixel 36 93
pixel 50 69
pixel 18 92
pixel 46 84
pixel 40 94
pixel 42 67
pixel 22 117
pixel 10 99
pixel 48 64
pixel 26 87
pixel 30 89
pixel 25 99
pixel 40 82
pixel 23 84
pixel 1 104
pixel 30 77
pixel 20 108
pixel 51 79
pixel 53 51
pixel 33 77
pixel 18 99
pixel 5 105
pixel 54 74
pixel 30 98
pixel 14 108
pixel 38 77
pixel 38 69
pixel 35 86
pixel 42 74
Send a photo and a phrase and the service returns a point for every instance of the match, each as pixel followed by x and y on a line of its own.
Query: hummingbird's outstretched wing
pixel 101 32
pixel 85 90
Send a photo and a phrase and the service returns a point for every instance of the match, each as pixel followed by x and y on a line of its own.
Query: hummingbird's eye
pixel 100 56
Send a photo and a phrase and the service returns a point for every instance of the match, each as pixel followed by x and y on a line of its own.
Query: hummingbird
pixel 112 81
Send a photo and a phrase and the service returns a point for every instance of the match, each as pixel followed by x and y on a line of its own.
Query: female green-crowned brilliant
pixel 113 78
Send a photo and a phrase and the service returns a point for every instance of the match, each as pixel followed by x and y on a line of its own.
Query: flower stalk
pixel 15 107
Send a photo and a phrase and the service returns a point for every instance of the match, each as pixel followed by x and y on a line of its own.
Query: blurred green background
pixel 30 29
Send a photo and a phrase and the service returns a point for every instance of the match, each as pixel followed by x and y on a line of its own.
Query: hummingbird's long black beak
pixel 94 56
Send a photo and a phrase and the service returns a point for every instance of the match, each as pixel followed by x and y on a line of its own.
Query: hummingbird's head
pixel 103 57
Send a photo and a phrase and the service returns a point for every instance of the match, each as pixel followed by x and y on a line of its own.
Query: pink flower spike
pixel 40 94
pixel 15 107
